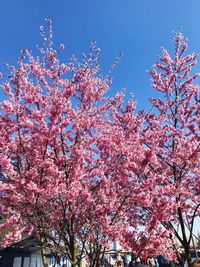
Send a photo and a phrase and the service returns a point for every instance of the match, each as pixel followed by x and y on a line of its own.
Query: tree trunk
pixel 42 248
pixel 185 243
pixel 193 243
pixel 73 251
pixel 187 254
pixel 44 260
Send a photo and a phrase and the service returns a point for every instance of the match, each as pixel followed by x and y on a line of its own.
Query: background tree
pixel 171 140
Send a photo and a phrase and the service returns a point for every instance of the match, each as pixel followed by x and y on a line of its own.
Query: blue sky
pixel 138 28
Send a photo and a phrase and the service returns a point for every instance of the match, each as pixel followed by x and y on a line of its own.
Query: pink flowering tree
pixel 59 176
pixel 171 139
pixel 161 158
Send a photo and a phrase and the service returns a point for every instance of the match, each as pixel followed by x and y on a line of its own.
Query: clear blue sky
pixel 138 28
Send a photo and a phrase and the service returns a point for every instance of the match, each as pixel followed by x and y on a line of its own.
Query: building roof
pixel 28 244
